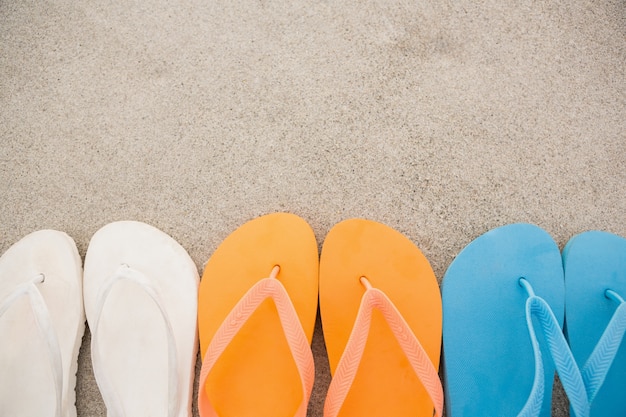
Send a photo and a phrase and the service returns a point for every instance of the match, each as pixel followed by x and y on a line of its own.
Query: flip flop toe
pixel 257 307
pixel 595 315
pixel 41 325
pixel 381 313
pixel 140 294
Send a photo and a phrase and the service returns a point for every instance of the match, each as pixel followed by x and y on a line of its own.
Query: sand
pixel 440 119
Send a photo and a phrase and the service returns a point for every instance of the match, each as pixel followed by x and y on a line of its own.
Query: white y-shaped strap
pixel 114 406
pixel 44 324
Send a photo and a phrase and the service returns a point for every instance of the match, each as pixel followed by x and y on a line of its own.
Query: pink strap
pixel 298 343
pixel 351 357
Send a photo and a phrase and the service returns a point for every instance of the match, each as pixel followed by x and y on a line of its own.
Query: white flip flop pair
pixel 139 294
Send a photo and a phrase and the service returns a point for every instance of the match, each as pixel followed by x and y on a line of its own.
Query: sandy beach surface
pixel 440 119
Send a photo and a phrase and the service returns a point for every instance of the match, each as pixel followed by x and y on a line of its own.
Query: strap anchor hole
pixel 526 285
pixel 275 271
pixel 365 282
pixel 612 295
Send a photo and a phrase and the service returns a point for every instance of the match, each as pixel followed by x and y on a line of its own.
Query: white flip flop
pixel 41 325
pixel 140 294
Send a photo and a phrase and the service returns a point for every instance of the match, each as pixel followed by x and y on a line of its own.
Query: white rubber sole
pixel 132 339
pixel 26 386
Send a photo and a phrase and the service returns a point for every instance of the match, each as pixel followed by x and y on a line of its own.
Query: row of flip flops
pixel 512 310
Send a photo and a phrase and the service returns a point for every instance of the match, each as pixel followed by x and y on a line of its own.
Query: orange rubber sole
pixel 385 383
pixel 256 375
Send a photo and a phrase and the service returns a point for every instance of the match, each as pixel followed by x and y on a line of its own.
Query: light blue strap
pixel 600 360
pixel 44 324
pixel 533 405
pixel 114 406
pixel 569 373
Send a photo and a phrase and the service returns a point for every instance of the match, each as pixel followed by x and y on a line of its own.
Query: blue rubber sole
pixel 595 262
pixel 487 353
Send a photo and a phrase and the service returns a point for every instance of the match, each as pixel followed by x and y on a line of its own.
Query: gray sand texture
pixel 440 119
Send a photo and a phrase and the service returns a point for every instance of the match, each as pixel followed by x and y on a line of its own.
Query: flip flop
pixel 257 307
pixel 595 315
pixel 41 325
pixel 381 314
pixel 503 302
pixel 140 294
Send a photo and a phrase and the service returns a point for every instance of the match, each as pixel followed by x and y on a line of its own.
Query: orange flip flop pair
pixel 381 314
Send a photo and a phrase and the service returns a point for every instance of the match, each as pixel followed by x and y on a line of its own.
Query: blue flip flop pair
pixel 507 298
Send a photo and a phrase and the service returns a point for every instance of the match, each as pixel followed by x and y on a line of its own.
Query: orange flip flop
pixel 256 315
pixel 381 314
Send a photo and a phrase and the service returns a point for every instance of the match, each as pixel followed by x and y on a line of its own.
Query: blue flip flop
pixel 595 289
pixel 503 306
